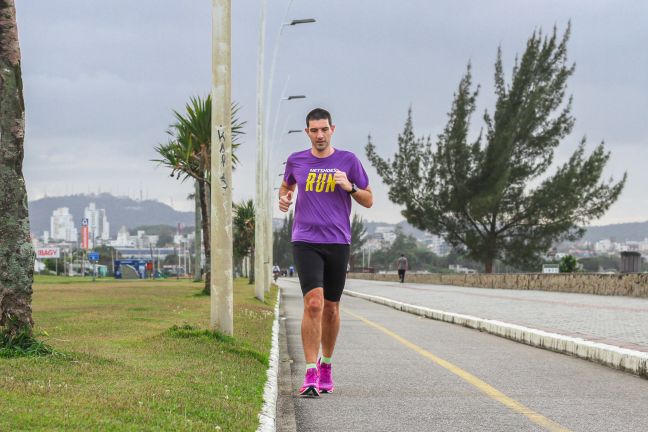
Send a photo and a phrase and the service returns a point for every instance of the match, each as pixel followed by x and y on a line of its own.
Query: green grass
pixel 53 279
pixel 24 344
pixel 138 356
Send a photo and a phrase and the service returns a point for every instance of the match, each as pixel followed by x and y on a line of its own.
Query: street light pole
pixel 268 220
pixel 259 249
pixel 221 171
pixel 264 198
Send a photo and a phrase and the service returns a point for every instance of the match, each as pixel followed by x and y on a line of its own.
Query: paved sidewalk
pixel 617 321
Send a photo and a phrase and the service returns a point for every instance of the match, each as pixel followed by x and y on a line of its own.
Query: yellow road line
pixel 487 389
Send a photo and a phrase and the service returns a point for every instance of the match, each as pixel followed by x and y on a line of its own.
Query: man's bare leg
pixel 311 328
pixel 330 327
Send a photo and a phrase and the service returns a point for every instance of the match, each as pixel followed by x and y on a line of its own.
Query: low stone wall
pixel 631 285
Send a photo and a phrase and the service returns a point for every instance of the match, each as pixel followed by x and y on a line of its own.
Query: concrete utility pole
pixel 268 221
pixel 221 171
pixel 259 217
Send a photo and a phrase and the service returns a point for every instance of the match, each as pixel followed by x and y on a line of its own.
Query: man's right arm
pixel 285 195
pixel 285 187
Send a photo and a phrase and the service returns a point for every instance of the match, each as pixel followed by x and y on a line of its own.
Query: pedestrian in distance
pixel 401 264
pixel 291 271
pixel 326 179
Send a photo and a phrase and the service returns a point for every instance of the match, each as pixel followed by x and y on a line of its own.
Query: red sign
pixel 48 252
pixel 84 237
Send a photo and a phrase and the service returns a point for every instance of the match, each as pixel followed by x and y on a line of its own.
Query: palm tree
pixel 197 268
pixel 197 243
pixel 243 225
pixel 17 262
pixel 188 154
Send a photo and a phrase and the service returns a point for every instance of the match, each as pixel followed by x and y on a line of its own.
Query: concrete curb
pixel 268 414
pixel 285 421
pixel 632 361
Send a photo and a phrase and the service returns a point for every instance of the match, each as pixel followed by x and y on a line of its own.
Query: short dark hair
pixel 319 114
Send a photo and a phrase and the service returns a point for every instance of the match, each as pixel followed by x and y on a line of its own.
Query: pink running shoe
pixel 325 377
pixel 310 387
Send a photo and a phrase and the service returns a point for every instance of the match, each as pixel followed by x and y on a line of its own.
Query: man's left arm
pixel 364 197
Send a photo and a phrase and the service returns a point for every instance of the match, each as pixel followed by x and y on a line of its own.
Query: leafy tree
pixel 282 247
pixel 385 258
pixel 418 256
pixel 165 233
pixel 188 154
pixel 50 265
pixel 600 263
pixel 16 251
pixel 164 239
pixel 106 256
pixel 358 238
pixel 171 259
pixel 480 195
pixel 243 224
pixel 568 264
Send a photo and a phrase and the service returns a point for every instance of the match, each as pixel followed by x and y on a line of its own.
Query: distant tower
pixel 62 225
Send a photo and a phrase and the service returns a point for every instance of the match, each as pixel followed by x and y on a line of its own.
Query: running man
pixel 326 178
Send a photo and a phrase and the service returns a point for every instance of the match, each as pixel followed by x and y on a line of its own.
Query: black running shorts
pixel 322 265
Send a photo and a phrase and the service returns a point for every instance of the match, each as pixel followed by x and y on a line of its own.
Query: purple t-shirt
pixel 322 209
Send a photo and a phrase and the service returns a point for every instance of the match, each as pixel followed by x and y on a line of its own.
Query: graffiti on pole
pixel 221 141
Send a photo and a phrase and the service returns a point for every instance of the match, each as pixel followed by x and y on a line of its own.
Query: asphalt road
pixel 397 372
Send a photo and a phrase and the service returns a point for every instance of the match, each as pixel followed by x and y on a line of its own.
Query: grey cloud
pixel 104 76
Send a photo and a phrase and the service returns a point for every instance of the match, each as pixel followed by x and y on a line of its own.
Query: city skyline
pixel 64 233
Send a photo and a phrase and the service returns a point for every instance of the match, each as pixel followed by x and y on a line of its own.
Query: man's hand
pixel 285 202
pixel 341 180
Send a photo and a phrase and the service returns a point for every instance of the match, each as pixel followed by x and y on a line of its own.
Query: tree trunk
pixel 205 229
pixel 197 233
pixel 16 251
pixel 488 266
pixel 251 271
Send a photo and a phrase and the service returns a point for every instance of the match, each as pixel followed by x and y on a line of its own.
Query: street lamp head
pixel 302 21
pixel 294 131
pixel 295 97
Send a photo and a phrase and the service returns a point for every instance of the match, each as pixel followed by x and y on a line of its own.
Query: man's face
pixel 319 132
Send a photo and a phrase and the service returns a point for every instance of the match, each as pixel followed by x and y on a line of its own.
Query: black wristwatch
pixel 353 189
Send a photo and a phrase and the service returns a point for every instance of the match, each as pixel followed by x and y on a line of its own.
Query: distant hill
pixel 633 231
pixel 119 211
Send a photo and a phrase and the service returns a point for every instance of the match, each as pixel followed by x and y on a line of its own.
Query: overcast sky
pixel 101 80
